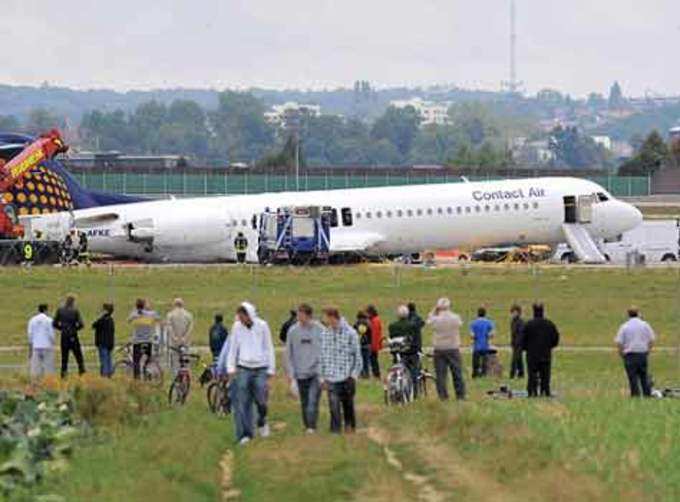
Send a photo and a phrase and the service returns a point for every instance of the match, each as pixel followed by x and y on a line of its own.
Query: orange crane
pixel 46 147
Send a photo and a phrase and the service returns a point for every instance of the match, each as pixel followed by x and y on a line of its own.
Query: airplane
pixel 396 220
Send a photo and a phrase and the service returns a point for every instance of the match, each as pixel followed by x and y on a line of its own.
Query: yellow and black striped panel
pixel 41 191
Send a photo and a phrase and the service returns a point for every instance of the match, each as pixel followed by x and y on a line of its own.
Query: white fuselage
pixel 386 220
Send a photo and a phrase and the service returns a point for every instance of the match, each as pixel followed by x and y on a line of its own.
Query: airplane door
pixel 585 208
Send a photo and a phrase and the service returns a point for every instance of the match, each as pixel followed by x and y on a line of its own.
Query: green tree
pixel 616 99
pixel 101 131
pixel 147 121
pixel 575 150
pixel 652 155
pixel 41 120
pixel 399 126
pixel 241 132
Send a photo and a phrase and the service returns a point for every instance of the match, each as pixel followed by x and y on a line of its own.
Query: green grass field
pixel 591 443
pixel 587 304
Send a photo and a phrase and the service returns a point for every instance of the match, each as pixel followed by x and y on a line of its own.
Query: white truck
pixel 653 241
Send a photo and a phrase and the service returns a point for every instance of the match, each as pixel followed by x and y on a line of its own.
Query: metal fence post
pixel 630 185
pixel 245 184
pixel 125 182
pixel 184 183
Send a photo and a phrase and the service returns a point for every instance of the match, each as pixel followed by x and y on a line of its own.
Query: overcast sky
pixel 575 46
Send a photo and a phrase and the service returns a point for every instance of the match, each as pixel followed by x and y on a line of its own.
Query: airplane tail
pixel 50 187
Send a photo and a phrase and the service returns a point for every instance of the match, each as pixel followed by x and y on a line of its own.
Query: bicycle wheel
pixel 123 367
pixel 213 395
pixel 177 395
pixel 153 373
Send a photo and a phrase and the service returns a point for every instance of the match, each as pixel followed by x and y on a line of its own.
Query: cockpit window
pixel 602 197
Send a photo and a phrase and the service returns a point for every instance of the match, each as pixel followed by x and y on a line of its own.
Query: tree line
pixel 477 135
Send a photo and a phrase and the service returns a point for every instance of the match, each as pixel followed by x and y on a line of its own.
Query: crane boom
pixel 44 148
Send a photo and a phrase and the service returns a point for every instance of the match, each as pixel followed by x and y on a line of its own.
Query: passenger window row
pixel 440 211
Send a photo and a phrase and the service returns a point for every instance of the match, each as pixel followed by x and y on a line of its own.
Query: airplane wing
pixel 355 241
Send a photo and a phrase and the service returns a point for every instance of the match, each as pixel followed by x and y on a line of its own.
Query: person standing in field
pixel 376 339
pixel 540 337
pixel 446 342
pixel 516 331
pixel 363 328
pixel 251 365
pixel 418 323
pixel 217 336
pixel 283 336
pixel 481 331
pixel 404 328
pixel 69 321
pixel 340 367
pixel 144 322
pixel 41 340
pixel 635 340
pixel 303 345
pixel 180 323
pixel 104 339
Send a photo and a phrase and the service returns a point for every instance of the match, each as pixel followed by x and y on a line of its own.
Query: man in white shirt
pixel 250 365
pixel 635 340
pixel 41 343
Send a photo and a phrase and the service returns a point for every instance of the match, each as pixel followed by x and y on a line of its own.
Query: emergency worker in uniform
pixel 241 247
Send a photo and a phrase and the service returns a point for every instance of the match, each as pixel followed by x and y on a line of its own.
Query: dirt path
pixel 426 492
pixel 229 493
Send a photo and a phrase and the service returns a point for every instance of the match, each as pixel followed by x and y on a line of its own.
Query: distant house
pixel 431 112
pixel 604 141
pixel 532 153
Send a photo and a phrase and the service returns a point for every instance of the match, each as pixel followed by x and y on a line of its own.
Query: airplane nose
pixel 633 216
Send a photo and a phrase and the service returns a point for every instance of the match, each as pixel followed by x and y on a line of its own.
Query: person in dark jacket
pixel 104 339
pixel 363 328
pixel 540 337
pixel 516 330
pixel 404 328
pixel 68 321
pixel 217 336
pixel 283 332
pixel 418 324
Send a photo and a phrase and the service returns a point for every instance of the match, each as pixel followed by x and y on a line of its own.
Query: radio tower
pixel 513 86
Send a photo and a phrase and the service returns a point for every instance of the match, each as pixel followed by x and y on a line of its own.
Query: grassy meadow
pixel 590 443
pixel 587 304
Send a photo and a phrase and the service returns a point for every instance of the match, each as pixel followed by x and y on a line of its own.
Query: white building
pixel 605 141
pixel 281 115
pixel 431 112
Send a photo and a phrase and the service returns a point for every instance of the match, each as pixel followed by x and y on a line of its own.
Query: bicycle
pixel 424 375
pixel 181 384
pixel 149 368
pixel 398 384
pixel 219 400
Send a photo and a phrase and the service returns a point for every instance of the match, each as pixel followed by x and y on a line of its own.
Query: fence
pixel 186 183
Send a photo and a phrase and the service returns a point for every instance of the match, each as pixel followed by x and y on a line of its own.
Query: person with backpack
pixel 363 328
pixel 481 331
pixel 540 337
pixel 104 339
pixel 69 322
